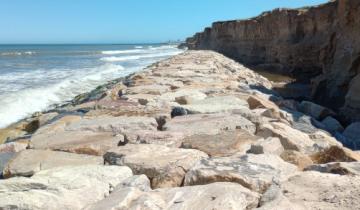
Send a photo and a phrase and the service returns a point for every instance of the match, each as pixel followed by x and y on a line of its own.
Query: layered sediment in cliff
pixel 319 43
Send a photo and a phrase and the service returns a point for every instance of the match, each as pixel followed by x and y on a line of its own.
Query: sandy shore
pixel 195 131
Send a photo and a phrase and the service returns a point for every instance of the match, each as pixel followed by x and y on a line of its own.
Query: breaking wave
pixel 137 57
pixel 20 104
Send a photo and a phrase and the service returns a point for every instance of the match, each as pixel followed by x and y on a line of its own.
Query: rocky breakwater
pixel 196 131
pixel 319 43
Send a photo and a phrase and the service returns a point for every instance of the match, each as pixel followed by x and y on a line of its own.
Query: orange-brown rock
pixel 320 42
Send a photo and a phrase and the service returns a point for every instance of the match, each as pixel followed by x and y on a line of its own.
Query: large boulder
pixel 255 172
pixel 301 122
pixel 28 162
pixel 226 196
pixel 210 124
pixel 352 133
pixel 332 125
pixel 226 143
pixel 183 96
pixel 216 105
pixel 165 167
pixel 113 124
pixel 81 142
pixel 267 146
pixel 166 138
pixel 314 190
pixel 93 136
pixel 315 110
pixel 69 187
pixel 290 138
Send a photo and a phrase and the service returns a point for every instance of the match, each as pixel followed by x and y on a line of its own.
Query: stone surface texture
pixel 195 131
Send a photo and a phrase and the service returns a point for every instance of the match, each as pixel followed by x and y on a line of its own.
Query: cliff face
pixel 319 43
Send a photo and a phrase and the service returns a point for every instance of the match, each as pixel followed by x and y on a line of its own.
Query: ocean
pixel 35 77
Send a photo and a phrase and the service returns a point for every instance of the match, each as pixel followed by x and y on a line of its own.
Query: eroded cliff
pixel 321 44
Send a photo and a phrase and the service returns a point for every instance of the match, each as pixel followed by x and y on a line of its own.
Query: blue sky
pixel 122 21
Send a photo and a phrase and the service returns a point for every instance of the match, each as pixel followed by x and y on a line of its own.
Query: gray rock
pixel 291 139
pixel 226 196
pixel 223 144
pixel 178 111
pixel 216 105
pixel 71 187
pixel 28 162
pixel 138 181
pixel 267 146
pixel 210 124
pixel 315 110
pixel 165 166
pixel 302 122
pixel 314 190
pixel 255 172
pixel 352 133
pixel 332 125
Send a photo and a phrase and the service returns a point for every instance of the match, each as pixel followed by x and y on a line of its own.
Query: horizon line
pixel 140 43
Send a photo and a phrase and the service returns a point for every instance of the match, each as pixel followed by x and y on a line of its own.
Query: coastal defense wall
pixel 321 44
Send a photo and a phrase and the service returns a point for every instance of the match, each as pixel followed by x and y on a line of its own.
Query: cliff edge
pixel 320 44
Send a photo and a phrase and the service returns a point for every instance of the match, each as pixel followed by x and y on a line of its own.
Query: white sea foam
pixel 163 47
pixel 17 53
pixel 139 47
pixel 137 57
pixel 33 88
pixel 20 104
pixel 115 52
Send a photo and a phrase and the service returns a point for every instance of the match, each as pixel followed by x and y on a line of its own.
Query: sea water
pixel 35 77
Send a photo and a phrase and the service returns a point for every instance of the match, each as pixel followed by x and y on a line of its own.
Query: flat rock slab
pixel 190 94
pixel 255 172
pixel 69 187
pixel 226 143
pixel 290 138
pixel 81 142
pixel 216 105
pixel 113 124
pixel 93 136
pixel 225 196
pixel 28 162
pixel 210 124
pixel 165 138
pixel 267 146
pixel 314 190
pixel 165 167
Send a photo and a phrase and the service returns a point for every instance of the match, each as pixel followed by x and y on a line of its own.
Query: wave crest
pixel 17 53
pixel 20 104
pixel 137 57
